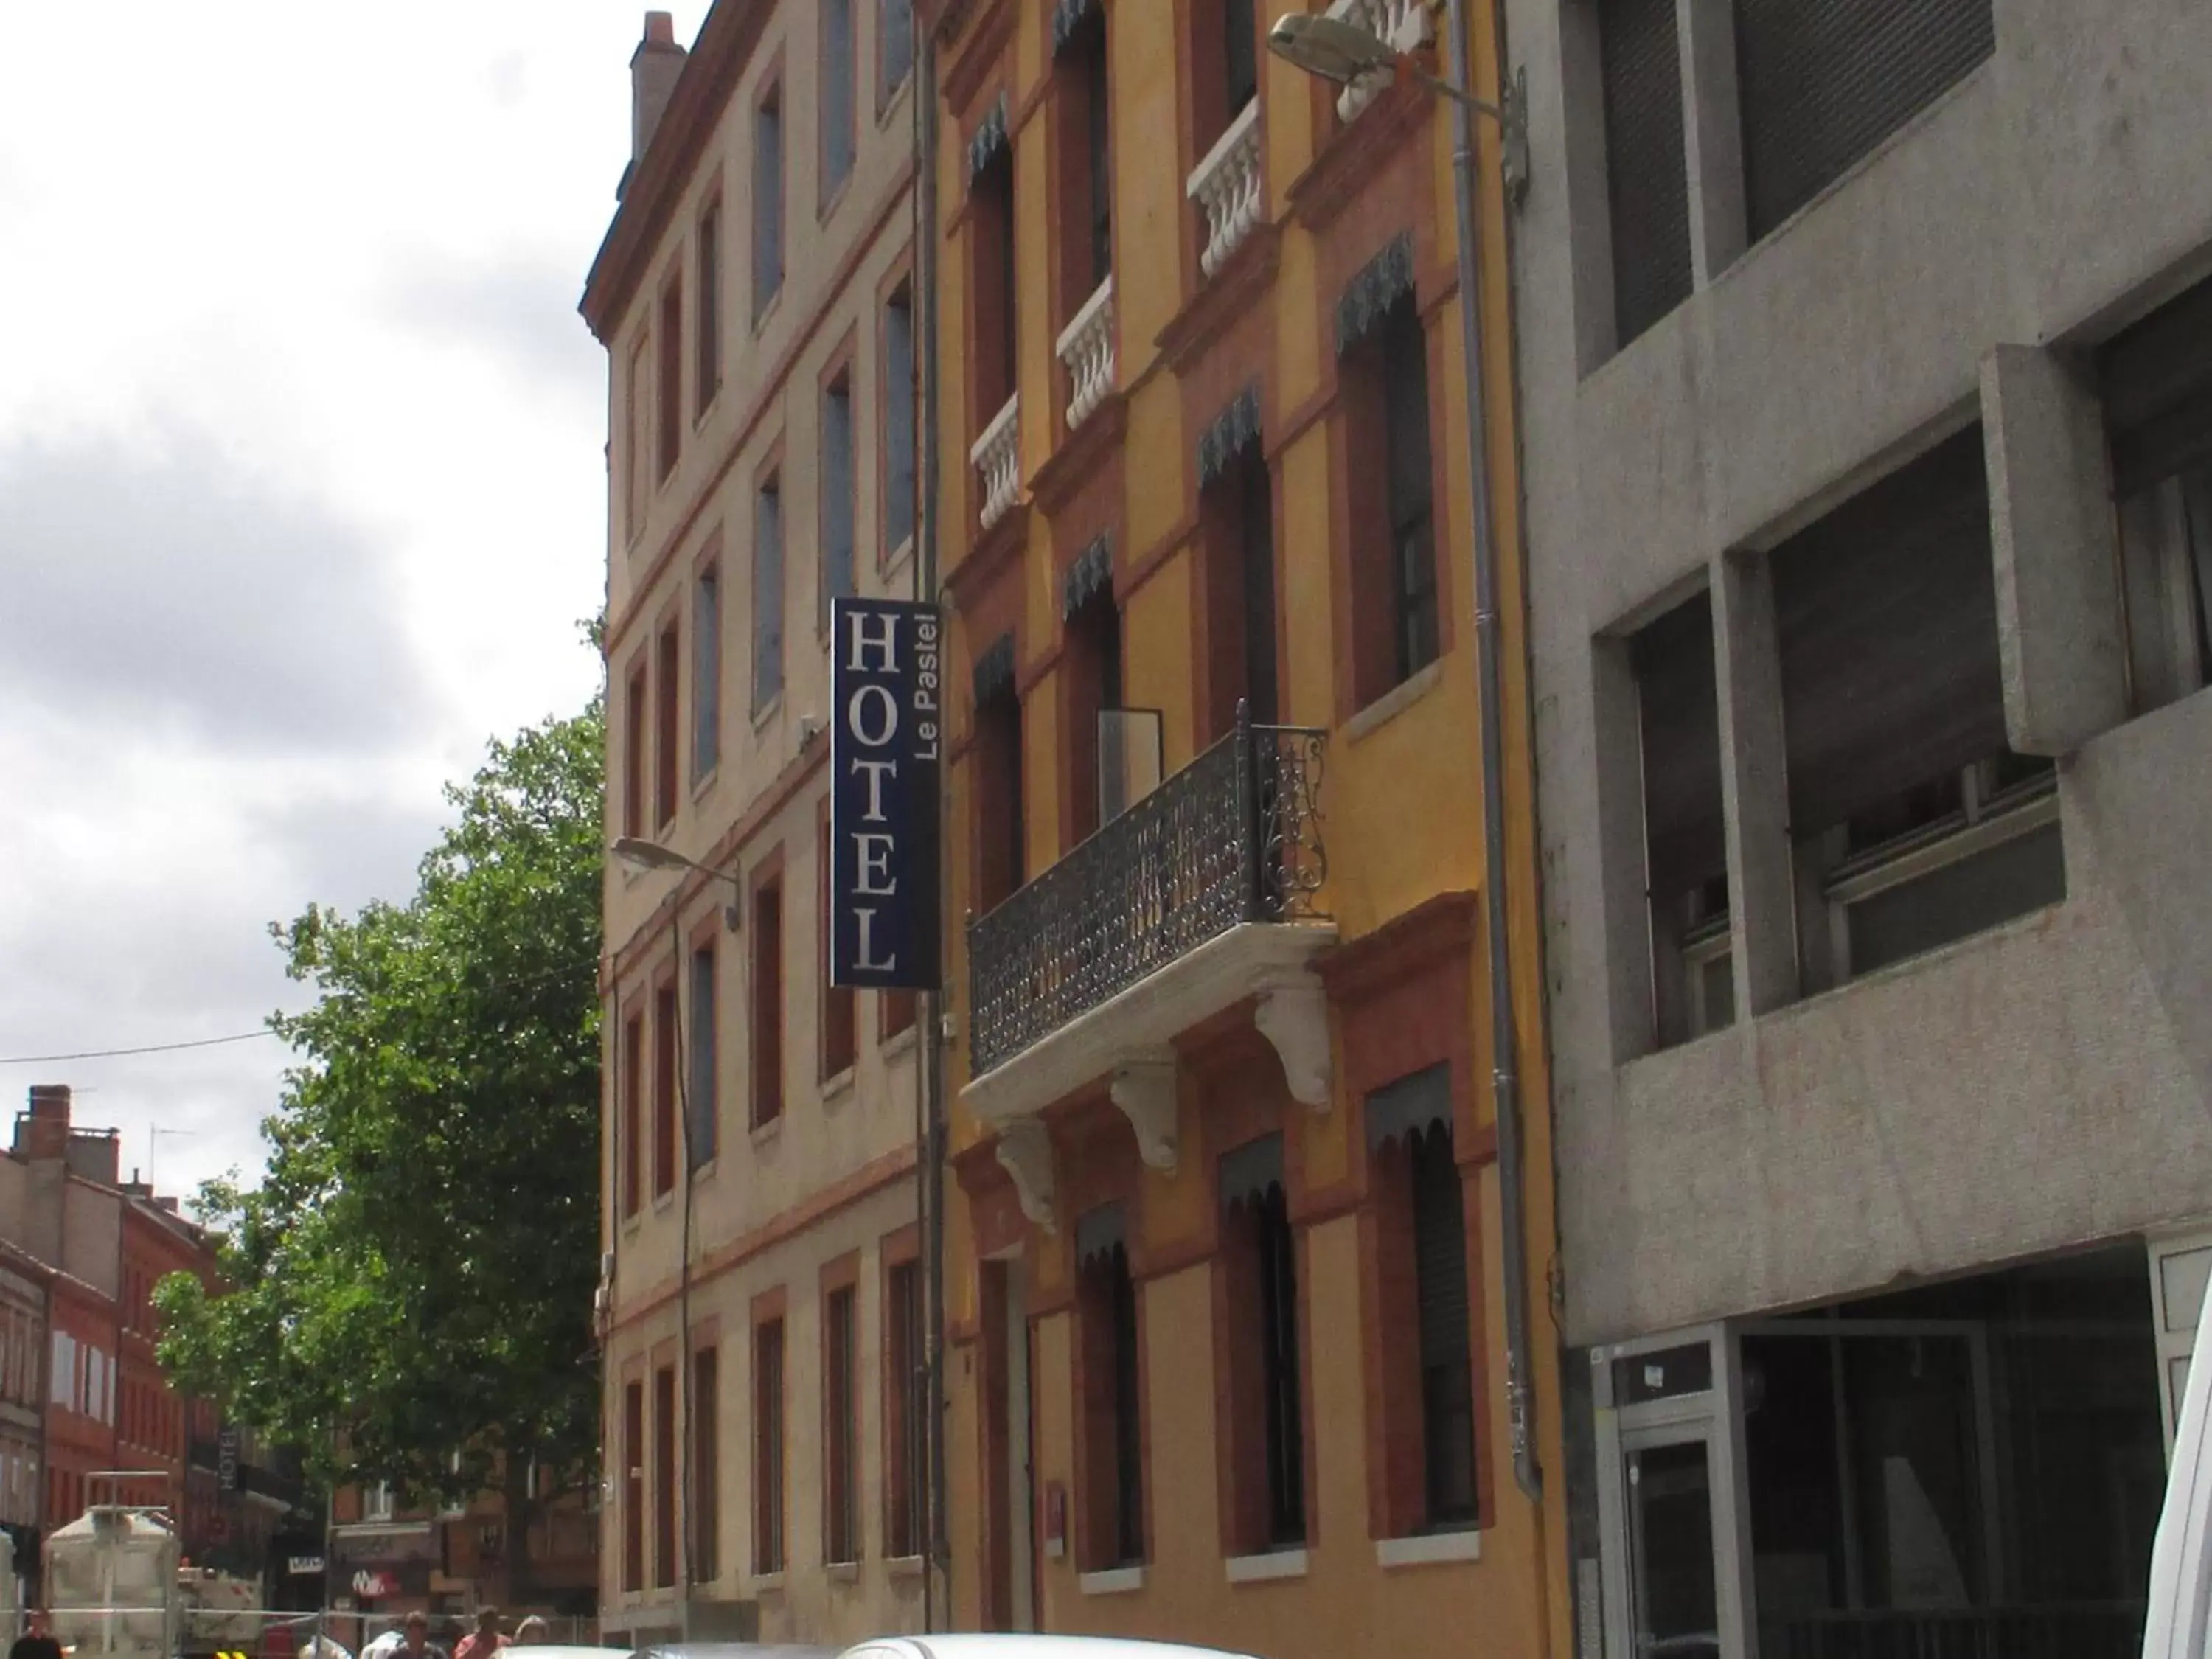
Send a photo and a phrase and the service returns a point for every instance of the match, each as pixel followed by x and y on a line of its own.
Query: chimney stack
pixel 42 1133
pixel 653 68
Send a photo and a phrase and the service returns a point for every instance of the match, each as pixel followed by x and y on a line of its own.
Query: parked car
pixel 712 1650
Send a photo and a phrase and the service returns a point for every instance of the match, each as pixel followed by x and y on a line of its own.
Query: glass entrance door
pixel 1674 1580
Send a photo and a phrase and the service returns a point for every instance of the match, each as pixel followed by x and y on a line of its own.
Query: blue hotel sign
pixel 887 731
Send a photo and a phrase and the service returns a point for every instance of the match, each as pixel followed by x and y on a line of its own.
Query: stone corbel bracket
pixel 1145 1090
pixel 1026 1154
pixel 1292 1014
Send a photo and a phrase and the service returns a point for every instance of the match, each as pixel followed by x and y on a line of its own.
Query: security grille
pixel 1823 85
pixel 1647 176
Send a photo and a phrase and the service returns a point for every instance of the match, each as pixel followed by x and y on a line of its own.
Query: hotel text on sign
pixel 887 731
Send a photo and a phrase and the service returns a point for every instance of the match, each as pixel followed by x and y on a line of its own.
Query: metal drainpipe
pixel 936 1576
pixel 1504 1080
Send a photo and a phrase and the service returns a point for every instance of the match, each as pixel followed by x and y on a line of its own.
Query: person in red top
pixel 486 1639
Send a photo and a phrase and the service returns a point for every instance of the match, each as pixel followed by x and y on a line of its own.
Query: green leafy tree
pixel 411 1282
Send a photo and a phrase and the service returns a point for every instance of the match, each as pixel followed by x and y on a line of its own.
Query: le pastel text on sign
pixel 886 739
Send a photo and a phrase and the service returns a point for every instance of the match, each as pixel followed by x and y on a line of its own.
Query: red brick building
pixel 81 1253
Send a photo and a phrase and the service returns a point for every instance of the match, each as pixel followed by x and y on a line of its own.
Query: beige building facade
pixel 762 1311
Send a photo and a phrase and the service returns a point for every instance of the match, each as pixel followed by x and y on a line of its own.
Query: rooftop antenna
pixel 154 1147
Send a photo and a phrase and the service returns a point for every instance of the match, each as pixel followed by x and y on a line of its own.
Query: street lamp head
pixel 1328 48
pixel 647 854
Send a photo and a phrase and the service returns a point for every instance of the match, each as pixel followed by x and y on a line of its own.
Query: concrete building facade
pixel 756 297
pixel 1228 1256
pixel 1865 352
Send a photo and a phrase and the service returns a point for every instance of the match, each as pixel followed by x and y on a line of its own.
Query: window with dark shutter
pixel 838 488
pixel 767 595
pixel 903 1413
pixel 1266 1428
pixel 1128 1441
pixel 838 64
pixel 633 1486
pixel 999 812
pixel 1647 177
pixel 768 200
pixel 894 48
pixel 2156 382
pixel 1447 1378
pixel 1112 1426
pixel 1821 86
pixel 707 1465
pixel 665 1129
pixel 706 671
pixel 1887 613
pixel 709 366
pixel 667 667
pixel 841 1471
pixel 1240 55
pixel 1094 656
pixel 664 1477
pixel 768 1446
pixel 768 1002
pixel 1893 710
pixel 1685 846
pixel 1409 485
pixel 702 1115
pixel 633 1114
pixel 898 422
pixel 670 385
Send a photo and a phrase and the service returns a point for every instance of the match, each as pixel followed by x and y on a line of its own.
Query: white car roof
pixel 1018 1645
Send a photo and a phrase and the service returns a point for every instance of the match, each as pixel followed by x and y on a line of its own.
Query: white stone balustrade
pixel 1086 346
pixel 1226 184
pixel 1402 24
pixel 996 456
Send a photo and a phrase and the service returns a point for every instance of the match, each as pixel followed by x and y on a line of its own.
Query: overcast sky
pixel 302 490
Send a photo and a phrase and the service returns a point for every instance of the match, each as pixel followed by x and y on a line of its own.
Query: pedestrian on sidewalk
pixel 415 1643
pixel 34 1642
pixel 486 1641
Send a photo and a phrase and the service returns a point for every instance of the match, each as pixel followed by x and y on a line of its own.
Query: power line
pixel 516 983
pixel 150 1048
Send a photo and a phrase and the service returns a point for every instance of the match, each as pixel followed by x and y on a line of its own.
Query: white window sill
pixel 896 558
pixel 705 782
pixel 706 1170
pixel 661 1202
pixel 1430 1549
pixel 766 1583
pixel 765 1134
pixel 906 1566
pixel 1259 1569
pixel 1393 702
pixel 836 1087
pixel 768 711
pixel 899 1044
pixel 1117 1581
pixel 841 1572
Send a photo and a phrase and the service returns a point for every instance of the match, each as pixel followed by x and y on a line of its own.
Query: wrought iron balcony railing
pixel 1233 837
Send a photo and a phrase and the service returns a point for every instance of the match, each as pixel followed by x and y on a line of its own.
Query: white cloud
pixel 302 491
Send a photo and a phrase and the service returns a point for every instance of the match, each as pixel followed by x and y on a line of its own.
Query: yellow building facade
pixel 1226 1257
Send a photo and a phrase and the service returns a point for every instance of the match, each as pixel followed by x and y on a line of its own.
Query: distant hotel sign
pixel 886 733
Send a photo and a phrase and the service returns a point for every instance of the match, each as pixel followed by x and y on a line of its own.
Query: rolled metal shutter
pixel 2156 380
pixel 1822 84
pixel 1647 176
pixel 1887 611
